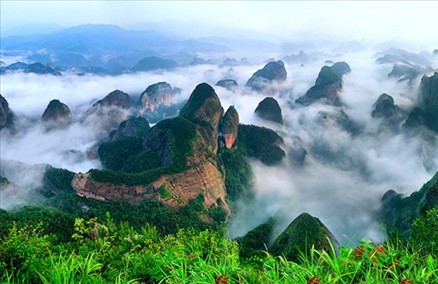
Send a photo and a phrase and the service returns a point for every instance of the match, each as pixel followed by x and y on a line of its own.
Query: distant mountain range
pixel 107 47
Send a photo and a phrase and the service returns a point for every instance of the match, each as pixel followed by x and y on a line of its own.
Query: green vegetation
pixel 106 252
pixel 167 146
pixel 399 212
pixel 59 178
pixel 238 173
pixel 261 143
pixel 326 76
pixel 199 96
pixel 115 154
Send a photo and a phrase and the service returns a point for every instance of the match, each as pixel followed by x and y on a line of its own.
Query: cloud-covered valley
pixel 340 181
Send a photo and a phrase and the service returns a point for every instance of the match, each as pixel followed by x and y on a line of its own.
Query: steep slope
pixel 426 111
pixel 270 110
pixel 229 127
pixel 205 111
pixel 6 115
pixel 398 212
pixel 174 161
pixel 157 94
pixel 272 72
pixel 56 115
pixel 304 232
pixel 327 86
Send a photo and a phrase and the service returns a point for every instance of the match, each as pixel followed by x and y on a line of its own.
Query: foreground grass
pixel 108 253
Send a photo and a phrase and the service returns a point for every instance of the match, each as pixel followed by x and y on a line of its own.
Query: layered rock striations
pixel 156 95
pixel 175 161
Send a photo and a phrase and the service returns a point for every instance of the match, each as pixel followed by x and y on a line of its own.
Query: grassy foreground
pixel 104 252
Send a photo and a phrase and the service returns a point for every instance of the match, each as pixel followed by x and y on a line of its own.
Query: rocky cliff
pixel 426 112
pixel 56 115
pixel 399 211
pixel 205 111
pixel 107 113
pixel 6 115
pixel 272 72
pixel 270 110
pixel 174 161
pixel 229 127
pixel 327 86
pixel 155 95
pixel 386 110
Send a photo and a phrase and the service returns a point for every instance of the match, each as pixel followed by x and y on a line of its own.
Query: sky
pixel 283 20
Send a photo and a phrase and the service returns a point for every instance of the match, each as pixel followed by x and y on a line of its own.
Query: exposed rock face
pixel 384 107
pixel 107 113
pixel 426 114
pixel 56 114
pixel 116 98
pixel 327 85
pixel 341 68
pixel 429 93
pixel 229 127
pixel 303 233
pixel 155 95
pixel 84 186
pixel 390 113
pixel 398 212
pixel 6 115
pixel 203 179
pixel 406 72
pixel 273 71
pixel 184 166
pixel 228 84
pixel 134 126
pixel 205 111
pixel 269 109
pixel 154 63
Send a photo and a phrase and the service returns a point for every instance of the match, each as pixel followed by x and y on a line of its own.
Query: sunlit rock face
pixel 229 127
pixel 155 95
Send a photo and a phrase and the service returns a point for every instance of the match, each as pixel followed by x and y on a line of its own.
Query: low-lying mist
pixel 341 180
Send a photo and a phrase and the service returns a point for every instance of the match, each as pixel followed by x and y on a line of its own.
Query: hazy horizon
pixel 277 21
